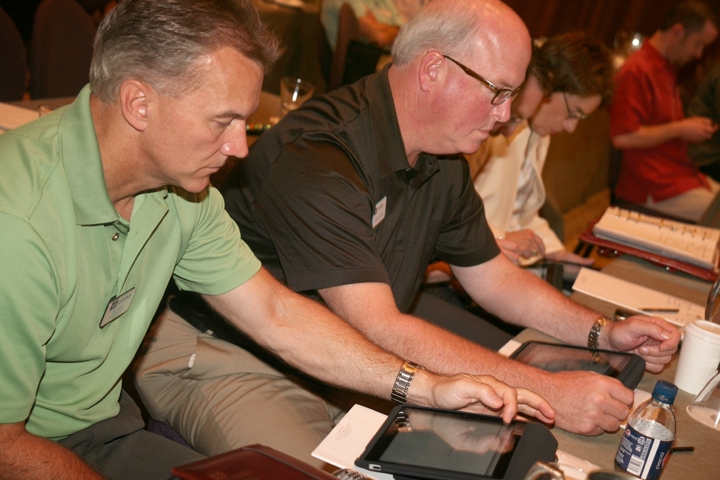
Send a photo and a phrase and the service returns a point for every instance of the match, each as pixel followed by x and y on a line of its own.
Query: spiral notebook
pixel 682 246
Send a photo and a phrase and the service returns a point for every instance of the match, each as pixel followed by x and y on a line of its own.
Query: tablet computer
pixel 419 442
pixel 626 367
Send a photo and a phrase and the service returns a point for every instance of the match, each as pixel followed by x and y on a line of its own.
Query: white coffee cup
pixel 699 355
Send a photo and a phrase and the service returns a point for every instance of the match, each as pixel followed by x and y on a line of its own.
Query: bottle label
pixel 642 455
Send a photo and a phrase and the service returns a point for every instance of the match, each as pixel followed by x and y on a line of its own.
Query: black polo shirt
pixel 327 197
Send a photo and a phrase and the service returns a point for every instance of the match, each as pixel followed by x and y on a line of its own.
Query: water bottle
pixel 645 446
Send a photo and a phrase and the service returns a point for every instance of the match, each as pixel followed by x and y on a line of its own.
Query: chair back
pixel 61 49
pixel 348 30
pixel 13 58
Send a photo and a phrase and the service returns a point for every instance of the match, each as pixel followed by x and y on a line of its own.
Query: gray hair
pixel 450 29
pixel 158 41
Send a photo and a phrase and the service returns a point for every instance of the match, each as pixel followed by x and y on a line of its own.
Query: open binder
pixel 675 245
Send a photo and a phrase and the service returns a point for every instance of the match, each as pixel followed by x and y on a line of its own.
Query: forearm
pixel 26 456
pixel 377 33
pixel 310 338
pixel 372 311
pixel 647 136
pixel 521 298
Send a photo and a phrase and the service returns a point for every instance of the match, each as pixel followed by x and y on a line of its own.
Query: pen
pixel 682 449
pixel 661 310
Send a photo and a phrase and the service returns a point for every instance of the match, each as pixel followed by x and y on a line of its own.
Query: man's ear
pixel 678 31
pixel 431 71
pixel 134 98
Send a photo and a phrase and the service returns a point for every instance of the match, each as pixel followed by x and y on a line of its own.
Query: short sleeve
pixel 29 303
pixel 216 259
pixel 630 102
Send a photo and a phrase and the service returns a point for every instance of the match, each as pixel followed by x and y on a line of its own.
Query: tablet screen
pixel 560 358
pixel 448 441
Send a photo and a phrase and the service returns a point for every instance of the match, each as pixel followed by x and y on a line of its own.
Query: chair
pixel 13 58
pixel 354 57
pixel 348 31
pixel 60 50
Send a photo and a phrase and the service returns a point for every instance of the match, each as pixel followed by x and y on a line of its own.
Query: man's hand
pixel 479 394
pixel 510 249
pixel 654 339
pixel 569 257
pixel 529 244
pixel 697 129
pixel 375 32
pixel 588 403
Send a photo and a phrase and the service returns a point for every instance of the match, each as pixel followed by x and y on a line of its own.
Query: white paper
pixel 641 396
pixel 13 117
pixel 677 240
pixel 347 441
pixel 509 348
pixel 636 298
pixel 574 468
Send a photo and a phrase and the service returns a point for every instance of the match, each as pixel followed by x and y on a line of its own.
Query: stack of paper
pixel 635 298
pixel 676 240
pixel 348 440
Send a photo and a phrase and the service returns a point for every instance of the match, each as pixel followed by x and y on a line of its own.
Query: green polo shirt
pixel 65 253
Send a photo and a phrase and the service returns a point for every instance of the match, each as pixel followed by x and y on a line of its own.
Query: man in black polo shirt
pixel 347 199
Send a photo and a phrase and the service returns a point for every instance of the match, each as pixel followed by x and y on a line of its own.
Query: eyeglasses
pixel 573 116
pixel 501 94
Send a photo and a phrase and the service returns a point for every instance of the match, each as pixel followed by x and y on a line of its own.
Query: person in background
pixel 408 8
pixel 647 122
pixel 347 200
pixel 102 202
pixel 706 103
pixel 570 75
pixel 378 20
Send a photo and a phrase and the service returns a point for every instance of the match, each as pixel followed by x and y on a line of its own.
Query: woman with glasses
pixel 569 76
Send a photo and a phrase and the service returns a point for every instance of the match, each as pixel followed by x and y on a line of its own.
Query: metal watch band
pixel 403 380
pixel 594 335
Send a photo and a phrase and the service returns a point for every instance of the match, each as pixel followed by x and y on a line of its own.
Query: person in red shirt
pixel 647 121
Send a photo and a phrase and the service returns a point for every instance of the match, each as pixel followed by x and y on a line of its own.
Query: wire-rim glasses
pixel 571 115
pixel 501 94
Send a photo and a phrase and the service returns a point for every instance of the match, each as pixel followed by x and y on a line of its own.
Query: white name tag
pixel 379 214
pixel 117 306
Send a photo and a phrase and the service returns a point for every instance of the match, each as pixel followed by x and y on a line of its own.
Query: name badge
pixel 117 306
pixel 379 214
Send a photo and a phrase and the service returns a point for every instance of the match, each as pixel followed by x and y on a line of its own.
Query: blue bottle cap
pixel 665 391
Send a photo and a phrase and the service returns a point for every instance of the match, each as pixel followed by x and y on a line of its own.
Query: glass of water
pixel 293 92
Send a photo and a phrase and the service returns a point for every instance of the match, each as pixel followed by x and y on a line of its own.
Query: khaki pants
pixel 689 205
pixel 229 398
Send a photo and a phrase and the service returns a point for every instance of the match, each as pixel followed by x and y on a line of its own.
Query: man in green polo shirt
pixel 102 202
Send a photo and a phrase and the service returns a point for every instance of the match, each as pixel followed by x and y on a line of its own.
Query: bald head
pixel 451 62
pixel 461 27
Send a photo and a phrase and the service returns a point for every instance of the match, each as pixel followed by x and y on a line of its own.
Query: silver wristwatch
pixel 403 380
pixel 594 335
